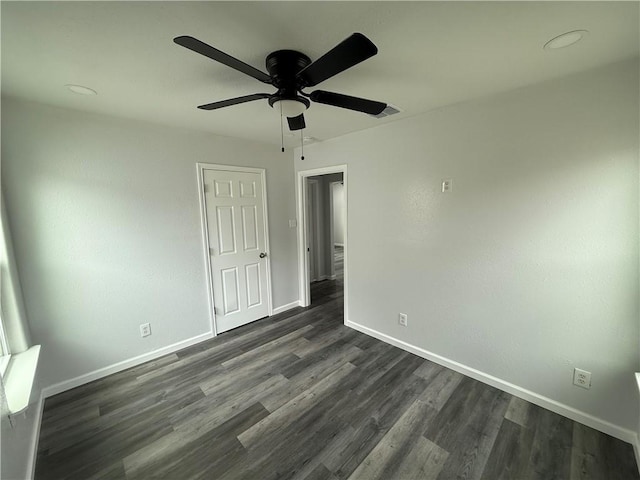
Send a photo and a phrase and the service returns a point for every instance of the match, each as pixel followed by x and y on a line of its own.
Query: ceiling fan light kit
pixel 290 72
pixel 290 108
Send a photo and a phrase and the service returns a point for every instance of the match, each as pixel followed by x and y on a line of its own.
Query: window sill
pixel 19 379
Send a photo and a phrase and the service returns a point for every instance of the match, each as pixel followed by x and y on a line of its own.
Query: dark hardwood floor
pixel 299 395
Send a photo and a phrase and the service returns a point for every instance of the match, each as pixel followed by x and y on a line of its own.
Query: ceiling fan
pixel 291 72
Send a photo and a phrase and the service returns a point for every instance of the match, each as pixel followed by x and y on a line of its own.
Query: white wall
pixel 529 267
pixel 338 215
pixel 107 233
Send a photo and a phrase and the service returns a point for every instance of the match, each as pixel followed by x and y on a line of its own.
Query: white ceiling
pixel 430 54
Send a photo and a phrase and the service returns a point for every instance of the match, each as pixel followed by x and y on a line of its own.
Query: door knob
pixel 263 254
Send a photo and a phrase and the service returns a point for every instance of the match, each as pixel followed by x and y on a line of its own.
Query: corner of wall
pixel 51 390
pixel 579 416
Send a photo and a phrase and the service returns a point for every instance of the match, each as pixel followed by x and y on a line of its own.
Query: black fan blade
pixel 346 54
pixel 345 101
pixel 296 123
pixel 215 54
pixel 233 101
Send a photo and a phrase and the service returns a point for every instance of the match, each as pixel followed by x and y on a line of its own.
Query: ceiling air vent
pixel 390 110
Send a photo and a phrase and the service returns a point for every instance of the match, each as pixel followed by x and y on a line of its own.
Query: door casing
pixel 201 167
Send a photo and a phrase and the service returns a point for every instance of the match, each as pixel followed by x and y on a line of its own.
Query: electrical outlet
pixel 145 329
pixel 402 319
pixel 581 378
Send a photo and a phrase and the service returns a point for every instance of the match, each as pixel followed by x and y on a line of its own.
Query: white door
pixel 237 241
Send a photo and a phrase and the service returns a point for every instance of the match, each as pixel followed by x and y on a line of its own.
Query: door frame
pixel 301 207
pixel 201 167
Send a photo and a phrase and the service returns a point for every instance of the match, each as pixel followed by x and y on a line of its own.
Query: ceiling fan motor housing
pixel 283 67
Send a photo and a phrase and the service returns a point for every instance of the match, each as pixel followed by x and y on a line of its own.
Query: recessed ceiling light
pixel 565 40
pixel 80 90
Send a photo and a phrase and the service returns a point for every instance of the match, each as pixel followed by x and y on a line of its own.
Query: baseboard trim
pixel 284 308
pixel 320 278
pixel 636 443
pixel 118 367
pixel 33 454
pixel 572 413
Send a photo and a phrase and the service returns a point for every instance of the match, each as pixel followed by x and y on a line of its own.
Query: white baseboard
pixel 321 278
pixel 33 454
pixel 636 443
pixel 118 367
pixel 284 308
pixel 572 413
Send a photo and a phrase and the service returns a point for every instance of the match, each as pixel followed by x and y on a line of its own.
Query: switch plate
pixel 402 319
pixel 145 329
pixel 447 185
pixel 581 378
pixel 293 223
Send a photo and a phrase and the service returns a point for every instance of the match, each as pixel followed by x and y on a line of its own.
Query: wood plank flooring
pixel 301 396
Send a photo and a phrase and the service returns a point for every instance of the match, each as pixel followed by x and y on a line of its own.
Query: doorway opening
pixel 322 208
pixel 325 236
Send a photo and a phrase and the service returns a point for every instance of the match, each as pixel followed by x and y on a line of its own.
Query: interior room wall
pixel 529 266
pixel 338 214
pixel 107 232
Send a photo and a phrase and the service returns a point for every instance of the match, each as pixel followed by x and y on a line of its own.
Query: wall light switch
pixel 447 185
pixel 293 223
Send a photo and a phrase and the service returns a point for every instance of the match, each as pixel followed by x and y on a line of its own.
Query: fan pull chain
pixel 301 145
pixel 281 129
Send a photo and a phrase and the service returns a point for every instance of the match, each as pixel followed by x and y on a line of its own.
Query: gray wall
pixel 107 234
pixel 529 267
